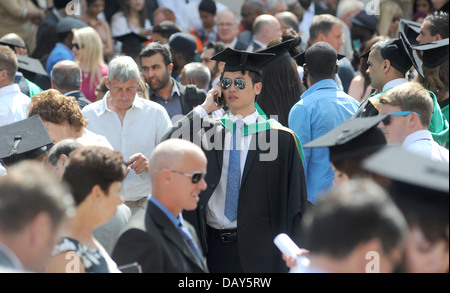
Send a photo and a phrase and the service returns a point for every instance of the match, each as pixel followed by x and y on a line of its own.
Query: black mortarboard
pixel 12 45
pixel 407 47
pixel 242 61
pixel 300 59
pixel 352 138
pixel 132 43
pixel 30 65
pixel 24 139
pixel 411 29
pixel 411 175
pixel 435 53
pixel 280 50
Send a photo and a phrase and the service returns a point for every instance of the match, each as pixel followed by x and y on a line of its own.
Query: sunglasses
pixel 386 121
pixel 75 45
pixel 195 177
pixel 238 82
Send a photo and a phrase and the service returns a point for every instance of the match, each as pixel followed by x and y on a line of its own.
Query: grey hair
pixel 377 49
pixel 122 69
pixel 199 73
pixel 66 77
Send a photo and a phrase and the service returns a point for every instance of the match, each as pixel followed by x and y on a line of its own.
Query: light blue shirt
pixel 59 53
pixel 321 108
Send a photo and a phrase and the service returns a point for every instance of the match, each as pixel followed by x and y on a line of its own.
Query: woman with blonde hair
pixel 87 47
pixel 389 19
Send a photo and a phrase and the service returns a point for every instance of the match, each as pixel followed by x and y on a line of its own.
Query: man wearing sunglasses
pixel 410 108
pixel 158 238
pixel 256 185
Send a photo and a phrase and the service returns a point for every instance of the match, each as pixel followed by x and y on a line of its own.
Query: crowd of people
pixel 183 136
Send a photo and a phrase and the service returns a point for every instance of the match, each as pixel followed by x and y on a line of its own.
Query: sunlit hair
pixel 54 107
pixel 90 56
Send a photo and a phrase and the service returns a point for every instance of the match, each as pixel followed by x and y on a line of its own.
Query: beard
pixel 160 84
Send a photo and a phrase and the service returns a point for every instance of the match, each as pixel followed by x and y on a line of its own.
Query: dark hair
pixel 93 165
pixel 322 61
pixel 282 86
pixel 217 46
pixel 29 190
pixel 155 48
pixel 167 28
pixel 208 6
pixel 64 147
pixel 350 214
pixel 438 23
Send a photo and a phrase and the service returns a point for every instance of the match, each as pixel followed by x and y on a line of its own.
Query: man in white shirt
pixel 13 103
pixel 410 107
pixel 131 124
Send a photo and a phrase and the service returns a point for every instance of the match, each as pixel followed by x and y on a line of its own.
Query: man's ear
pixel 386 65
pixel 106 82
pixel 438 37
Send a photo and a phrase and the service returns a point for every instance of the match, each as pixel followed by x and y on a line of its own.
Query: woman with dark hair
pixel 282 86
pixel 95 174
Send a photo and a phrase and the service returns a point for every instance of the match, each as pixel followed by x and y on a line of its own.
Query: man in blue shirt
pixel 322 108
pixel 63 48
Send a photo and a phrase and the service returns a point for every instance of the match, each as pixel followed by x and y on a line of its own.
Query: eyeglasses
pixel 75 45
pixel 386 121
pixel 238 82
pixel 195 177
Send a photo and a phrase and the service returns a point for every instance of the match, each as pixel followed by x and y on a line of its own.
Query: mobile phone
pixel 219 100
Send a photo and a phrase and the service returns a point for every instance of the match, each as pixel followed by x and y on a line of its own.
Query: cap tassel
pixel 17 140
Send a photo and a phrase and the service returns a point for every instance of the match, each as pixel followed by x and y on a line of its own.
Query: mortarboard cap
pixel 411 29
pixel 407 47
pixel 300 59
pixel 131 39
pixel 24 139
pixel 394 51
pixel 132 43
pixel 68 23
pixel 365 20
pixel 435 53
pixel 413 177
pixel 280 50
pixel 30 65
pixel 183 42
pixel 242 61
pixel 352 138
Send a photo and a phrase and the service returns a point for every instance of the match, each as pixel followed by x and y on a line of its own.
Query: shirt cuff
pixel 200 111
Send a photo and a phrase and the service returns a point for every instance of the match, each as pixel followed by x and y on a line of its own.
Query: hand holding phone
pixel 219 100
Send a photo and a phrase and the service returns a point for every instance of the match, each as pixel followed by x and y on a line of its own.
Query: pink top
pixel 86 89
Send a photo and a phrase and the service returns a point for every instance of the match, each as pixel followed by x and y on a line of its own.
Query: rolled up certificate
pixel 289 248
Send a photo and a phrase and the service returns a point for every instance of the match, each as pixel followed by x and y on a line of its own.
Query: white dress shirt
pixel 215 211
pixel 144 125
pixel 421 142
pixel 395 82
pixel 13 104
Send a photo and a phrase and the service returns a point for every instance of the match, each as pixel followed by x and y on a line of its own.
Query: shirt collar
pixel 395 82
pixel 104 105
pixel 175 220
pixel 175 90
pixel 249 119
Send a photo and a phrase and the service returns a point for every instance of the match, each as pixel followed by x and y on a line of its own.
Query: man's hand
pixel 138 162
pixel 209 104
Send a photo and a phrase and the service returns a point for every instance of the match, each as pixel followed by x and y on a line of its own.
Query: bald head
pixel 172 154
pixel 266 28
pixel 66 76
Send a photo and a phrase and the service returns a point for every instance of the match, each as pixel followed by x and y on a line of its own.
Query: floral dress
pixel 94 260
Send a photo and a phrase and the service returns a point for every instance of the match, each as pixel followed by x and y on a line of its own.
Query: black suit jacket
pixel 272 196
pixel 151 239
